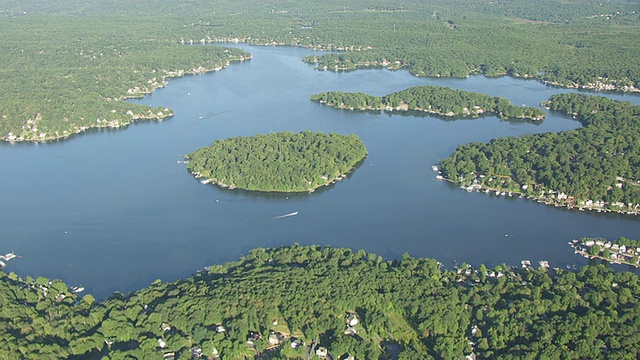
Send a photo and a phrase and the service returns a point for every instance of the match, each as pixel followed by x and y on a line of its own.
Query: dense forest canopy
pixel 283 162
pixel 619 11
pixel 432 99
pixel 69 65
pixel 596 166
pixel 279 303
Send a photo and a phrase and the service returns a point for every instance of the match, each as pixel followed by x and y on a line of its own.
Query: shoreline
pixel 612 252
pixel 559 201
pixel 598 86
pixel 206 181
pixel 134 93
pixel 467 114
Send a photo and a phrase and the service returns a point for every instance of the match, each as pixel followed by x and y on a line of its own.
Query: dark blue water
pixel 113 210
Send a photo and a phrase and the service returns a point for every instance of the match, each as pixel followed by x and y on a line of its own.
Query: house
pixel 196 352
pixel 253 336
pixel 474 330
pixel 350 331
pixel 274 340
pixel 352 319
pixel 296 343
pixel 322 352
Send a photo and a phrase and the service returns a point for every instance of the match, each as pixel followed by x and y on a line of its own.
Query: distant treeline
pixel 66 66
pixel 284 161
pixel 432 99
pixel 347 302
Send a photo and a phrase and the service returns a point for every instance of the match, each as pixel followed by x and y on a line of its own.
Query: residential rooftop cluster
pixel 611 251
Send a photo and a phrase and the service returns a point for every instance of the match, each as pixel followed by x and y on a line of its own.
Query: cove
pixel 114 210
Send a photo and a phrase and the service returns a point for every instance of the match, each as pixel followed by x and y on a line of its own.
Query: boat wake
pixel 285 215
pixel 213 114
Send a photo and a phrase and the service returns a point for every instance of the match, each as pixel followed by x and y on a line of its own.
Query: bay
pixel 114 210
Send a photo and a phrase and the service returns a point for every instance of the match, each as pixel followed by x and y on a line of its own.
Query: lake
pixel 114 210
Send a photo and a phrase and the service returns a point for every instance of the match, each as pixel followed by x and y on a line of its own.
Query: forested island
pixel 438 100
pixel 595 167
pixel 332 302
pixel 279 162
pixel 68 66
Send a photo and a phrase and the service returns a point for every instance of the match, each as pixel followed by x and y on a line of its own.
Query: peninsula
pixel 277 162
pixel 437 100
pixel 591 168
pixel 59 88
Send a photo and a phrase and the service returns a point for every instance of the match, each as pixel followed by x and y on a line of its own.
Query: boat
pixel 8 256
